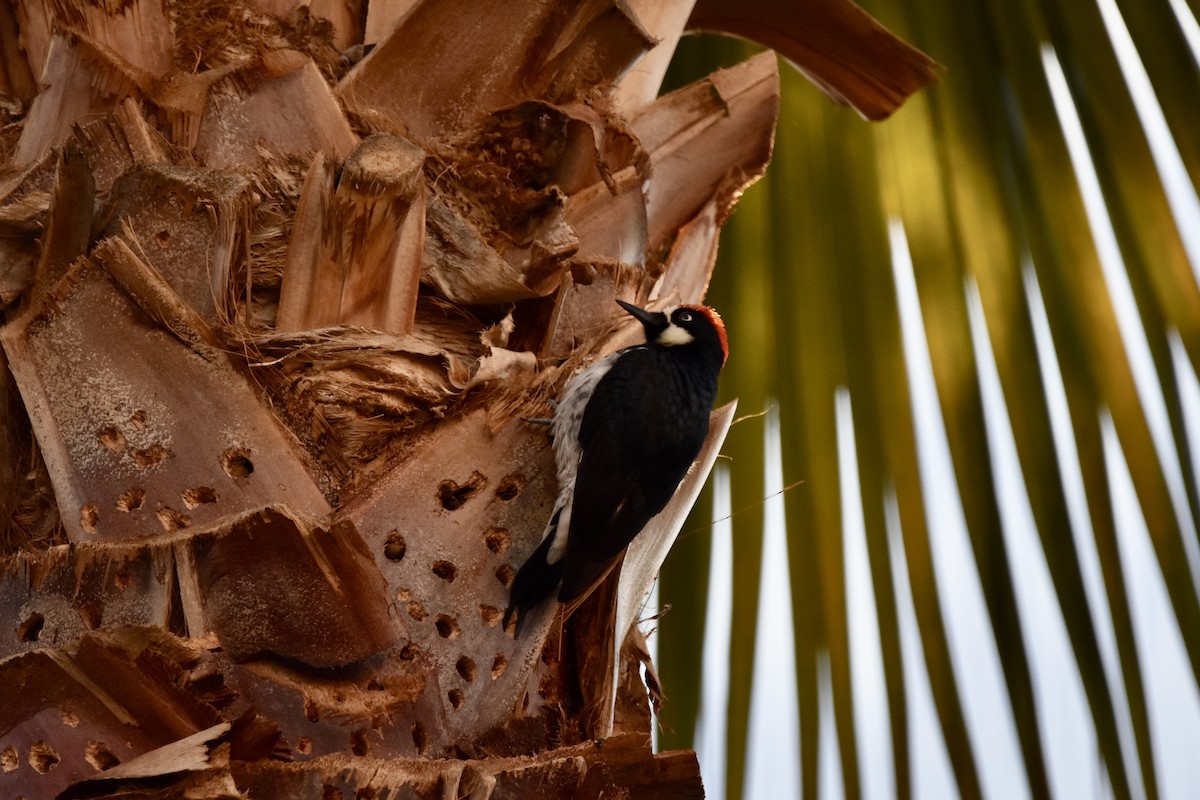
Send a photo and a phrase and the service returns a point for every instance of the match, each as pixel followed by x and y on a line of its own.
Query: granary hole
pixel 172 520
pixel 150 456
pixel 394 547
pixel 447 626
pixel 163 239
pixel 497 540
pixel 111 437
pixel 456 698
pixel 489 614
pixel 131 499
pixel 466 668
pixel 311 712
pixel 445 570
pixel 122 578
pixel 92 613
pixel 408 652
pixel 31 628
pixel 358 742
pixel 499 664
pixel 99 755
pixel 453 495
pixel 416 610
pixel 138 419
pixel 236 463
pixel 199 495
pixel 420 738
pixel 510 486
pixel 9 760
pixel 89 517
pixel 42 757
pixel 505 574
pixel 304 745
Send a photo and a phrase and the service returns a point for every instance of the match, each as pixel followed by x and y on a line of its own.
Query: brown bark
pixel 504 54
pixel 355 256
pixel 16 78
pixel 143 435
pixel 837 45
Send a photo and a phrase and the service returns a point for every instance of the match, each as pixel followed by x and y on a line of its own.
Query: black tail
pixel 535 581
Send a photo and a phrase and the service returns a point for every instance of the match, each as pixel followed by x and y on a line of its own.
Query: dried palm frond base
pixel 273 312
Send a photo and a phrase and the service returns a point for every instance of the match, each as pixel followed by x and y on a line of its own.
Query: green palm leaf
pixel 979 172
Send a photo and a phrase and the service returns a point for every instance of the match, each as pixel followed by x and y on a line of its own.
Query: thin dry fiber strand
pixel 363 391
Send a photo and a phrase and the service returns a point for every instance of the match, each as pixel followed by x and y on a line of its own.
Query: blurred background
pixel 951 550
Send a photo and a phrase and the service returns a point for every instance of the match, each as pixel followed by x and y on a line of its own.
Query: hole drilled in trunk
pixel 497 540
pixel 236 463
pixel 42 757
pixel 131 499
pixel 510 486
pixel 395 547
pixel 447 626
pixel 453 495
pixel 99 756
pixel 31 628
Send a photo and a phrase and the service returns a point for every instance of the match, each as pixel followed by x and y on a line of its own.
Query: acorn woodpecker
pixel 626 430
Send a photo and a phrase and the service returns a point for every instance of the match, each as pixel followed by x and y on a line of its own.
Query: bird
pixel 626 430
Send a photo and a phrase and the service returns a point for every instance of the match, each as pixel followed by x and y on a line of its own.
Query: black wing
pixel 639 437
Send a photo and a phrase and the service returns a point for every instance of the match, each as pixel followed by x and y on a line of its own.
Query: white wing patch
pixel 558 547
pixel 568 417
pixel 674 335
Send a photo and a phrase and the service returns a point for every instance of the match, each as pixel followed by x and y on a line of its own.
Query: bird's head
pixel 682 326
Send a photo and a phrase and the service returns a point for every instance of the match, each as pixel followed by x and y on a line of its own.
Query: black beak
pixel 655 322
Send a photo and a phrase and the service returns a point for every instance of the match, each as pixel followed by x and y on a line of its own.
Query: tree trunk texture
pixel 274 312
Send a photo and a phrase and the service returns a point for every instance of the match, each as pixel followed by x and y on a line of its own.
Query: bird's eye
pixel 685 316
